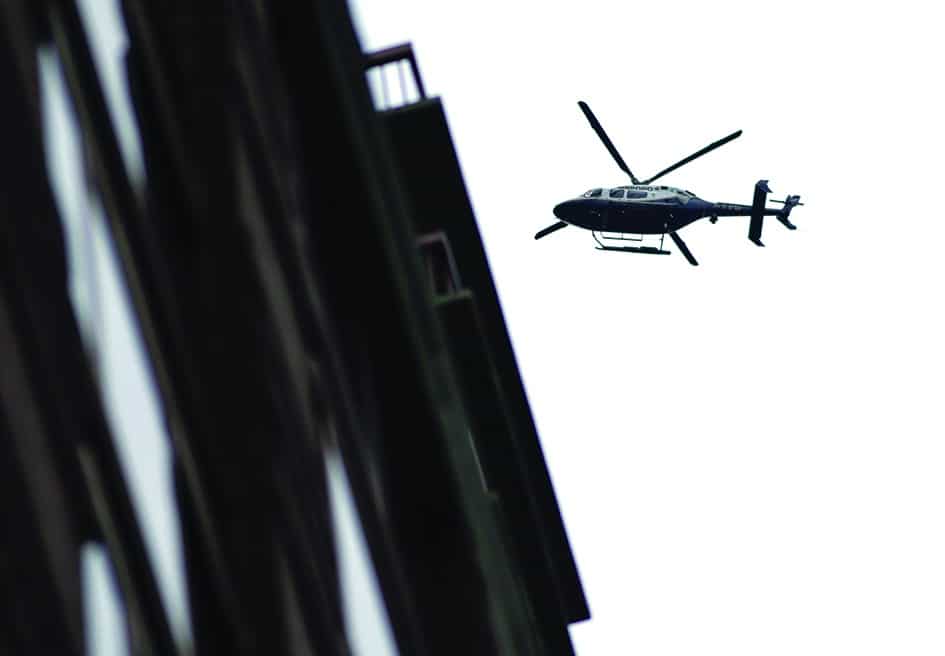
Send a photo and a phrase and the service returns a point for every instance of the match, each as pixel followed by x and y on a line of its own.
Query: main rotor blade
pixel 710 147
pixel 599 129
pixel 681 245
pixel 552 228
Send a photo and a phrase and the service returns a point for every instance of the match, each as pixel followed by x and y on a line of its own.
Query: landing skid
pixel 649 250
pixel 635 249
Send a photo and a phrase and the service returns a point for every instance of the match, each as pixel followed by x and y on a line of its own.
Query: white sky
pixel 748 454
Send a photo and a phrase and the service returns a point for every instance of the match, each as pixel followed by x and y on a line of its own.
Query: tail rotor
pixel 758 211
pixel 789 204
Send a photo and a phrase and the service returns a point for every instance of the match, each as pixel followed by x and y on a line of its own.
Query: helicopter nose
pixel 566 210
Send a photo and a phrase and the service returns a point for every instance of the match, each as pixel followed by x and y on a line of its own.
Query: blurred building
pixel 319 333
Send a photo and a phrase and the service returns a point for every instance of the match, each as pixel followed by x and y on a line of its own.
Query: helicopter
pixel 646 209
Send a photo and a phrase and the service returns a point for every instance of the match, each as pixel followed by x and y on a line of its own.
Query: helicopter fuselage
pixel 644 210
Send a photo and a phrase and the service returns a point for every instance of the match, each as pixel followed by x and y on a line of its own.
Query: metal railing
pixel 378 66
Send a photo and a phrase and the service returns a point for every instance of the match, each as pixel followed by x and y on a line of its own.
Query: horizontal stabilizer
pixel 758 211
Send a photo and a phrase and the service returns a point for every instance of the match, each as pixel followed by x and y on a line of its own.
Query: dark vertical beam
pixel 40 595
pixel 147 278
pixel 59 376
pixel 415 461
pixel 420 136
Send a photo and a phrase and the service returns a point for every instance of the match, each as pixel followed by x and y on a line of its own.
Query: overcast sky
pixel 748 454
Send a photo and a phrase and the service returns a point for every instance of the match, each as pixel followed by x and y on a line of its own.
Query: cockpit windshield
pixel 591 193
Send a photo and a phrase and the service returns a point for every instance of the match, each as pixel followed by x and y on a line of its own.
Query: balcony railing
pixel 394 62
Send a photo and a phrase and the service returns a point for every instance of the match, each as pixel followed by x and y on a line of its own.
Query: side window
pixel 636 194
pixel 616 193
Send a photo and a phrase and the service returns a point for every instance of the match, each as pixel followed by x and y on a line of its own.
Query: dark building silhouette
pixel 310 286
